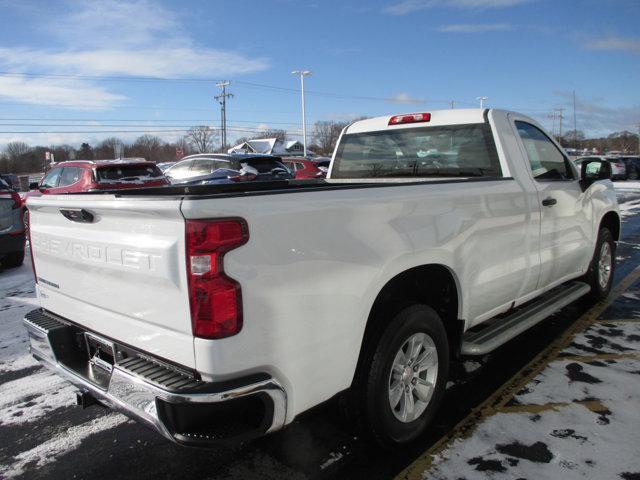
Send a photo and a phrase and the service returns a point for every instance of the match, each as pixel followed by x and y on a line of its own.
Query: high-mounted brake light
pixel 215 299
pixel 410 118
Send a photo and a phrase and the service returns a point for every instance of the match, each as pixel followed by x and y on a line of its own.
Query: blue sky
pixel 76 66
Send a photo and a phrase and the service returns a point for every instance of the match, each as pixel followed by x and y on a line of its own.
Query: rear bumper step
pixel 173 401
pixel 501 331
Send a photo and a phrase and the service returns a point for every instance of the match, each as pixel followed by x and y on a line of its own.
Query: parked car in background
pixel 303 168
pixel 323 163
pixel 12 180
pixel 164 165
pixel 618 167
pixel 11 227
pixel 632 164
pixel 88 175
pixel 210 168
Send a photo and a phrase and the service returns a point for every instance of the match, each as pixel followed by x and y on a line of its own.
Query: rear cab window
pixel 439 151
pixel 127 173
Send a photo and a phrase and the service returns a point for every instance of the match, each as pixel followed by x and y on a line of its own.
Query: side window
pixel 299 166
pixel 202 167
pixel 70 175
pixel 221 164
pixel 546 161
pixel 50 180
pixel 180 170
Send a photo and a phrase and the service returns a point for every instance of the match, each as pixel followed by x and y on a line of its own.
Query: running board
pixel 507 328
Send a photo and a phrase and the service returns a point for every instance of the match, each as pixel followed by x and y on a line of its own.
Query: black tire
pixel 13 259
pixel 592 277
pixel 370 397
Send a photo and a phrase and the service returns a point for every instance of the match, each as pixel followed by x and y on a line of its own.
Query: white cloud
pixel 161 61
pixel 405 98
pixel 67 93
pixel 474 27
pixel 113 37
pixel 407 6
pixel 595 117
pixel 615 43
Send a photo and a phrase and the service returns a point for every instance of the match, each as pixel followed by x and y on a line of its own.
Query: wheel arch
pixel 611 220
pixel 435 285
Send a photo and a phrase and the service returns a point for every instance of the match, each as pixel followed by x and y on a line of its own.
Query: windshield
pixel 127 172
pixel 444 151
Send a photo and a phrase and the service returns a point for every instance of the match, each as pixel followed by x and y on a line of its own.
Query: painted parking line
pixel 498 401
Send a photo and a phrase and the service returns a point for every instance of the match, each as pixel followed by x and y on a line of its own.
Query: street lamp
pixel 482 99
pixel 302 74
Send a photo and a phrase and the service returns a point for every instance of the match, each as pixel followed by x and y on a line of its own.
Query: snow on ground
pixel 578 418
pixel 59 445
pixel 565 444
pixel 28 392
pixel 628 185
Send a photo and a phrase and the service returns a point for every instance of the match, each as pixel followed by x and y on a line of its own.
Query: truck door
pixel 565 228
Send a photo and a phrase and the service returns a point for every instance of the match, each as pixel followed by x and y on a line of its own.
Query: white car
pixel 220 313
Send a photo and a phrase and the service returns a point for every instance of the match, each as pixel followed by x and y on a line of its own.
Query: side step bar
pixel 507 328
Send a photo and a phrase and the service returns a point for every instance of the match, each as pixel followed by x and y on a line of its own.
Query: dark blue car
pixel 214 169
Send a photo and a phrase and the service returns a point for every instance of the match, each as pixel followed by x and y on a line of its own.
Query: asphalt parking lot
pixel 44 435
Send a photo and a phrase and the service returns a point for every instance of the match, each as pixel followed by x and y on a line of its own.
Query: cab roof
pixel 437 117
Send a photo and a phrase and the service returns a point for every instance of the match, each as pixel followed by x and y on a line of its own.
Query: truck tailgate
pixel 115 266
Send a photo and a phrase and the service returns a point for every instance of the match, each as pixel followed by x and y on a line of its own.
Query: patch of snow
pixel 31 397
pixel 63 443
pixel 333 458
pixel 565 444
pixel 555 384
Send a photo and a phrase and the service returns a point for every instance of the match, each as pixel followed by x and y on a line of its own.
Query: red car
pixel 87 175
pixel 303 168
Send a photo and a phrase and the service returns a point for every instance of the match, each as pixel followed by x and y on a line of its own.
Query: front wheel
pixel 404 382
pixel 602 267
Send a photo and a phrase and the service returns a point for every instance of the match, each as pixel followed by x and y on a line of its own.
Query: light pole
pixel 302 74
pixel 482 99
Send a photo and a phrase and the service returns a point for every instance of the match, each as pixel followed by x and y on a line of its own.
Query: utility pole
pixel 222 99
pixel 452 104
pixel 575 129
pixel 552 116
pixel 560 117
pixel 302 74
pixel 482 99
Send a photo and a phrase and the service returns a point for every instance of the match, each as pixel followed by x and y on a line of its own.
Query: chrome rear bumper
pixel 156 393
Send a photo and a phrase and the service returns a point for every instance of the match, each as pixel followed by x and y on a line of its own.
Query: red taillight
pixel 17 201
pixel 410 118
pixel 215 299
pixel 28 228
pixel 244 178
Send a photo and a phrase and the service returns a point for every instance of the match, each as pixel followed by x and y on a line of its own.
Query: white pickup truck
pixel 220 313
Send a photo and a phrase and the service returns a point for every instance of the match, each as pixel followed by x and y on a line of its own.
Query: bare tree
pixel 273 133
pixel 326 135
pixel 14 150
pixel 147 146
pixel 202 138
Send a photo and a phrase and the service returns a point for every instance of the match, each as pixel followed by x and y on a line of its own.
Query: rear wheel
pixel 602 267
pixel 13 259
pixel 400 388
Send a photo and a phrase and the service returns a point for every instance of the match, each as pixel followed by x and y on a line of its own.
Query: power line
pixel 247 130
pixel 134 78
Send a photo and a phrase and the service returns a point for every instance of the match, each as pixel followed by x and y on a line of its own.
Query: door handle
pixel 549 202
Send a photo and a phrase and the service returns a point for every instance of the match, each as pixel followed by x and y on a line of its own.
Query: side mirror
pixel 34 186
pixel 593 170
